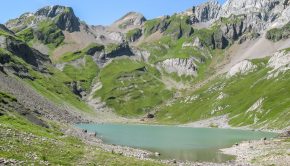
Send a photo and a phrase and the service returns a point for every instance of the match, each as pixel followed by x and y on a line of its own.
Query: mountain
pixel 227 64
pixel 131 19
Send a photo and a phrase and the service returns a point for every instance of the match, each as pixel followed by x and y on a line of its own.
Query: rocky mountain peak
pixel 258 15
pixel 130 19
pixel 52 11
pixel 207 11
pixel 64 17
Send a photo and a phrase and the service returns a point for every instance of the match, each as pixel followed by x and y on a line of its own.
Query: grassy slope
pixel 131 87
pixel 86 69
pixel 241 93
pixel 167 48
pixel 85 73
pixel 56 86
pixel 53 86
pixel 46 32
pixel 71 56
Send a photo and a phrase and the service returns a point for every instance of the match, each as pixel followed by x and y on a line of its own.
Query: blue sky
pixel 99 12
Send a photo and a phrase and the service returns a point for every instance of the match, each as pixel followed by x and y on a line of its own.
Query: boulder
pixel 285 134
pixel 150 116
pixel 157 154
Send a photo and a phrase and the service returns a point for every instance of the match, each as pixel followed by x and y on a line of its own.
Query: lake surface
pixel 182 143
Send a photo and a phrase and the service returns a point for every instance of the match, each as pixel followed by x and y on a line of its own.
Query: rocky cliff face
pixel 185 67
pixel 10 46
pixel 22 50
pixel 259 14
pixel 207 11
pixel 112 51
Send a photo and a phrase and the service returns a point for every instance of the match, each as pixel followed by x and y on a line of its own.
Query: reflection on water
pixel 212 155
pixel 194 144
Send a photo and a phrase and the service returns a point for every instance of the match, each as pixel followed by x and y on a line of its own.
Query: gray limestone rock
pixel 207 11
pixel 186 67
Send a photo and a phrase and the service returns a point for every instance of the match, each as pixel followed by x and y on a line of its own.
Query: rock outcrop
pixel 245 19
pixel 196 43
pixel 112 51
pixel 207 11
pixel 259 14
pixel 279 63
pixel 131 19
pixel 242 67
pixel 185 67
pixel 22 50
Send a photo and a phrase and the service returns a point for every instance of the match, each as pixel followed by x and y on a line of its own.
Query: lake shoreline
pixel 91 139
pixel 145 155
pixel 223 123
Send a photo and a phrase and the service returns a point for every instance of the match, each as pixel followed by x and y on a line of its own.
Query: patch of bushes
pixel 278 34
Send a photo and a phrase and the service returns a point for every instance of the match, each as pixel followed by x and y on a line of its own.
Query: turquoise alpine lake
pixel 172 142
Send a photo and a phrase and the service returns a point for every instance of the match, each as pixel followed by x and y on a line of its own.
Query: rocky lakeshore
pixel 93 139
pixel 261 152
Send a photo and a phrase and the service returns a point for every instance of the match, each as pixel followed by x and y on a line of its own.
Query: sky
pixel 99 12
